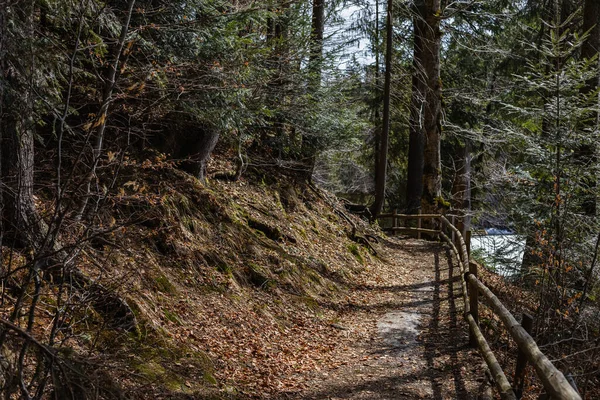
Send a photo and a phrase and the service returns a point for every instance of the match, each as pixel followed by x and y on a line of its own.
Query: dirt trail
pixel 405 337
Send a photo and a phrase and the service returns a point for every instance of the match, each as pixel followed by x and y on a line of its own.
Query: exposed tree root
pixel 360 238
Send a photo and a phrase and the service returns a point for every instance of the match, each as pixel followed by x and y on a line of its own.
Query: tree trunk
pixel 317 31
pixel 461 188
pixel 586 154
pixel 17 135
pixel 278 68
pixel 432 167
pixel 376 94
pixel 19 214
pixel 591 24
pixel 416 143
pixel 385 130
pixel 310 142
pixel 2 112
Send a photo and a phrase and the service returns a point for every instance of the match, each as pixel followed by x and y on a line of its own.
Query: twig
pixel 48 351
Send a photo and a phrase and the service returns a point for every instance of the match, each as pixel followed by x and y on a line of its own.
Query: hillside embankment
pixel 260 288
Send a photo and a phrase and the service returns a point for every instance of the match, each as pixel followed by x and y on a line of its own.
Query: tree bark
pixel 310 142
pixel 17 138
pixel 461 188
pixel 586 154
pixel 317 31
pixel 385 130
pixel 2 111
pixel 19 214
pixel 376 113
pixel 591 24
pixel 416 142
pixel 432 167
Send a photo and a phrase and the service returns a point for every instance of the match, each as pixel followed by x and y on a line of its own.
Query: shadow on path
pixel 418 349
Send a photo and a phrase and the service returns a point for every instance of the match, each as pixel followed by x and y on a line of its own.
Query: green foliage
pixel 172 317
pixel 547 116
pixel 514 90
pixel 534 125
pixel 355 251
pixel 164 285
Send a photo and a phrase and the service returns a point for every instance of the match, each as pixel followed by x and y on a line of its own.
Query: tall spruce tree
pixel 430 38
pixel 382 157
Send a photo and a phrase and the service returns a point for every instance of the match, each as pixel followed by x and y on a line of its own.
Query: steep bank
pixel 227 280
pixel 227 274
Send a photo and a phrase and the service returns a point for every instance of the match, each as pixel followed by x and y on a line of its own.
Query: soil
pixel 403 336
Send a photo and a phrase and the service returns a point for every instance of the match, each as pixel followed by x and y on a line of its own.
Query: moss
pixel 214 259
pixel 311 303
pixel 170 316
pixel 191 224
pixel 314 276
pixel 208 377
pixel 163 284
pixel 441 202
pixel 151 370
pixel 272 232
pixel 331 217
pixel 155 351
pixel 260 234
pixel 259 276
pixel 135 307
pixel 177 205
pixel 224 268
pixel 277 199
pixel 303 233
pixel 239 214
pixel 155 372
pixel 355 251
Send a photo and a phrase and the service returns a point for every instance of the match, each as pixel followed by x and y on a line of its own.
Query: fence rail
pixel 554 382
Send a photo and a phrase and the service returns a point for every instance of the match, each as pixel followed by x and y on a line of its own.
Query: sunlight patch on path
pixel 399 329
pixel 405 340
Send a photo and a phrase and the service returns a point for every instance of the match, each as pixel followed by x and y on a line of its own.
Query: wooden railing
pixel 417 231
pixel 554 382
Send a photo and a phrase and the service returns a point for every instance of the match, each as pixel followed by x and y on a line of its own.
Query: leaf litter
pixel 256 291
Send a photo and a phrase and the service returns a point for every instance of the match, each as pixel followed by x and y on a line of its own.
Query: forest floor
pixel 266 288
pixel 403 336
pixel 261 289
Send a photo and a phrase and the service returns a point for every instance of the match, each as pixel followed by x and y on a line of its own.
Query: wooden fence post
pixel 519 382
pixel 454 238
pixel 473 301
pixel 395 219
pixel 419 225
pixel 468 242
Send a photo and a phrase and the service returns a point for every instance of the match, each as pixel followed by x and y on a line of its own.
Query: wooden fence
pixel 554 382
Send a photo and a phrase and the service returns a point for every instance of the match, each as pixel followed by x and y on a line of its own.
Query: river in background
pixel 501 251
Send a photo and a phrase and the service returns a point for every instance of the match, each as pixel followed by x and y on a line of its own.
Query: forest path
pixel 405 336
